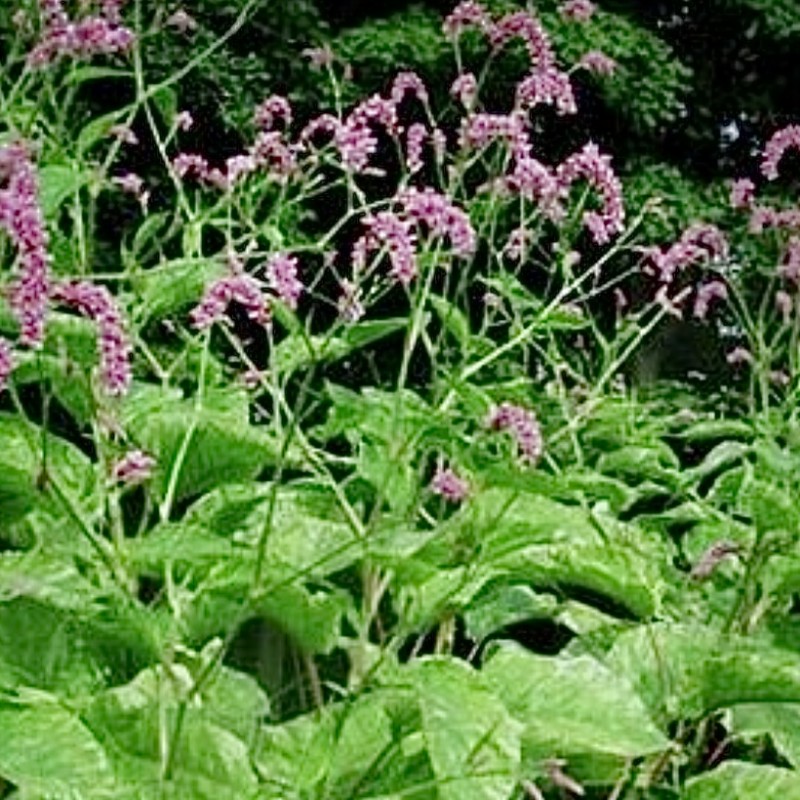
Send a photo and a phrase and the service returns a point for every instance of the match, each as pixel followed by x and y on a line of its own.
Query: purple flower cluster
pixel 550 87
pixel 388 230
pixel 765 217
pixel 133 468
pixel 441 217
pixel 6 362
pixel 467 14
pixel 789 268
pixel 98 304
pixel 275 108
pixel 591 165
pixel 743 193
pixel 447 484
pixel 240 288
pixel 416 135
pixel 776 147
pixel 269 153
pixel 523 426
pixel 354 137
pixel 465 89
pixel 282 278
pixel 86 37
pixel 706 294
pixel 698 243
pixel 525 26
pixel 577 10
pixel 479 130
pixel 598 62
pixel 408 83
pixel 21 217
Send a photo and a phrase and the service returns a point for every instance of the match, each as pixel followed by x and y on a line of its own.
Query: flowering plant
pixel 299 456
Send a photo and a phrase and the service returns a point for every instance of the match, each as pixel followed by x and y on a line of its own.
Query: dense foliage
pixel 369 428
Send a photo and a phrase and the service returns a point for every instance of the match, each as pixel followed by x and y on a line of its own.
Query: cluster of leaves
pixel 286 607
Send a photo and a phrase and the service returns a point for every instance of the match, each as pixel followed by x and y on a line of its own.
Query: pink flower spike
pixel 133 468
pixel 743 193
pixel 447 484
pixel 598 62
pixel 21 217
pixel 776 147
pixel 98 304
pixel 738 356
pixel 275 108
pixel 525 26
pixel 242 289
pixel 442 218
pixel 577 10
pixel 282 278
pixel 550 87
pixel 465 89
pixel 522 425
pixel 6 362
pixel 408 82
pixel 706 294
pixel 594 167
pixel 467 14
pixel 415 139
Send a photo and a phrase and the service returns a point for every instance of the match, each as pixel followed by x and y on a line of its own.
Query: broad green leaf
pixel 297 351
pixel 781 721
pixel 57 183
pixel 738 780
pixel 210 761
pixel 22 484
pixel 554 545
pixel 174 285
pixel 500 605
pixel 689 671
pixel 46 748
pixel 99 129
pixel 572 706
pixel 72 651
pixel 472 741
pixel 453 319
pixel 204 447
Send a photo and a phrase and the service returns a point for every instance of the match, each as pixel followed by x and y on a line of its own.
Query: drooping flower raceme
pixel 523 426
pixel 441 217
pixel 467 14
pixel 133 468
pixel 6 361
pixel 21 217
pixel 282 278
pixel 699 242
pixel 240 288
pixel 525 26
pixel 63 37
pixel 388 230
pixel 776 147
pixel 550 87
pixel 598 62
pixel 447 484
pixel 592 166
pixel 98 304
pixel 578 10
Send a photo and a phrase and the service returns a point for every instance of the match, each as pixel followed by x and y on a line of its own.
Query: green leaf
pixel 454 321
pixel 472 741
pixel 298 352
pixel 21 465
pixel 210 760
pixel 57 183
pixel 46 748
pixel 174 285
pixel 781 721
pixel 690 671
pixel 500 605
pixel 738 780
pixel 205 447
pixel 572 706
